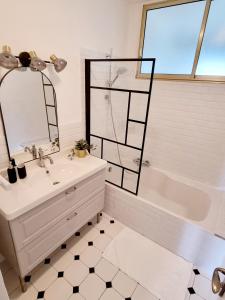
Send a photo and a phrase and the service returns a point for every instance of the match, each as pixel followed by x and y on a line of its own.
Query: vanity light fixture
pixel 59 63
pixel 7 60
pixel 36 64
pixel 29 59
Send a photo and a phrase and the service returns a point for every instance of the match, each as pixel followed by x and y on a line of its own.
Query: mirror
pixel 29 113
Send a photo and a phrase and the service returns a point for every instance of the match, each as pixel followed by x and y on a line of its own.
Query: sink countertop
pixel 38 186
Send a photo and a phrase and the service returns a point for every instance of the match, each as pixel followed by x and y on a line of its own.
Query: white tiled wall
pixel 186 130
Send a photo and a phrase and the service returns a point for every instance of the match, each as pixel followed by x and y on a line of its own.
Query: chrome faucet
pixel 218 286
pixel 42 157
pixel 32 150
pixel 145 163
pixel 71 155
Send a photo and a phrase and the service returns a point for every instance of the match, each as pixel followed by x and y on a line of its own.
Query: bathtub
pixel 174 196
pixel 181 215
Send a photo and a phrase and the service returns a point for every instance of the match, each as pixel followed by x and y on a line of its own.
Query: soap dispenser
pixel 11 173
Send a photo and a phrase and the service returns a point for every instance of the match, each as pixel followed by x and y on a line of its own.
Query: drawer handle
pixel 72 216
pixel 71 191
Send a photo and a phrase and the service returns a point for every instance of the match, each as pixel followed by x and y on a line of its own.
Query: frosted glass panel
pixel 212 58
pixel 171 36
pixel 114 174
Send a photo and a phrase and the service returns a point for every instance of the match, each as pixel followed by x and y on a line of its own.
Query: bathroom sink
pixel 62 168
pixel 61 171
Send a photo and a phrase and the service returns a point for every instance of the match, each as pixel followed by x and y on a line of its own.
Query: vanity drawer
pixel 31 255
pixel 32 224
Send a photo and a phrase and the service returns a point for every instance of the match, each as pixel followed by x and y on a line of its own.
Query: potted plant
pixel 82 148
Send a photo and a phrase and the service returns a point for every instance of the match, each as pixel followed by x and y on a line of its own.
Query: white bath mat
pixel 158 270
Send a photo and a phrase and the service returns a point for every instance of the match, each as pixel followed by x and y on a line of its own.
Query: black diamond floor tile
pixel 108 284
pixel 41 295
pixel 102 231
pixel 77 234
pixel 76 289
pixel 27 278
pixel 91 270
pixel 76 257
pixel 191 290
pixel 90 243
pixel 63 246
pixel 47 261
pixel 60 274
pixel 196 271
pixel 112 221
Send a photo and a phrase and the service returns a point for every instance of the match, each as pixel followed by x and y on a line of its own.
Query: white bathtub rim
pixel 209 224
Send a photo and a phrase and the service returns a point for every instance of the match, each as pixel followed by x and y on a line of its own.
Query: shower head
pixel 119 72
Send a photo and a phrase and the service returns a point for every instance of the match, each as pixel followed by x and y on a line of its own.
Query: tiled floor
pixel 77 271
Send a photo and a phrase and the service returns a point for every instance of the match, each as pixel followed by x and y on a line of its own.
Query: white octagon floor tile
pixel 102 241
pixel 111 294
pixel 78 245
pixel 141 293
pixel 113 229
pixel 124 284
pixel 76 297
pixel 191 280
pixel 106 270
pixel 195 297
pixel 92 287
pixel 103 224
pixel 202 287
pixel 59 290
pixel 61 260
pixel 76 273
pixel 43 277
pixel 30 294
pixel 90 233
pixel 91 256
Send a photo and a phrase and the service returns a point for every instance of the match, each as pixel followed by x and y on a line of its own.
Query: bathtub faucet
pixel 145 163
pixel 218 286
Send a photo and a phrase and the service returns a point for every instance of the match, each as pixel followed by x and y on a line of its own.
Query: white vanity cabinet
pixel 31 237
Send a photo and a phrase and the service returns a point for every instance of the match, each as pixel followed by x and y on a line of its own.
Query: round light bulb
pixel 7 60
pixel 59 63
pixel 36 64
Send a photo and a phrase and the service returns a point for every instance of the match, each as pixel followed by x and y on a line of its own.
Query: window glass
pixel 171 36
pixel 212 57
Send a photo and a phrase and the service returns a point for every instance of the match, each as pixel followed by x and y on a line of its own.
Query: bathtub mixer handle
pixel 145 163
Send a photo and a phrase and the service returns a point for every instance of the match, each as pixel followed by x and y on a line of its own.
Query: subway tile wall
pixel 186 126
pixel 186 130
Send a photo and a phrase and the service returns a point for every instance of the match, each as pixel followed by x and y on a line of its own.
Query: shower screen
pixel 117 111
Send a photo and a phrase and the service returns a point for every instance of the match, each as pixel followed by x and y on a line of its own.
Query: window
pixel 187 38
